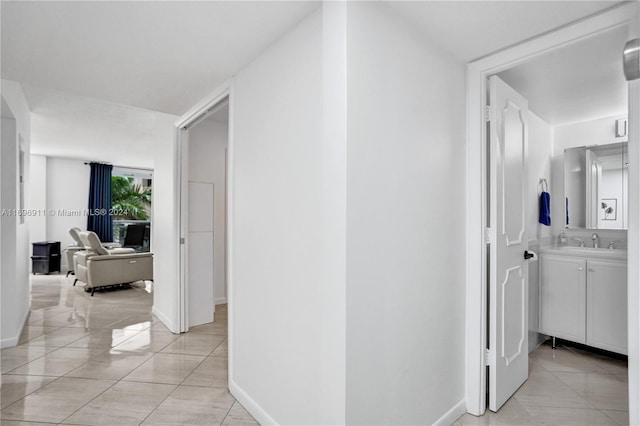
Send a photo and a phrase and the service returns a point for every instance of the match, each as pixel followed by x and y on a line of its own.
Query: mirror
pixel 596 186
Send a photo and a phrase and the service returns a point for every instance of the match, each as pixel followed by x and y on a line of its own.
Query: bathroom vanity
pixel 583 296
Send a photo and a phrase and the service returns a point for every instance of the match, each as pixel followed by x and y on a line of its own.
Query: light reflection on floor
pixel 107 360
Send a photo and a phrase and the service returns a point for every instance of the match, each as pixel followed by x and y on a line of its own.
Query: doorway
pixel 569 114
pixel 500 64
pixel 203 145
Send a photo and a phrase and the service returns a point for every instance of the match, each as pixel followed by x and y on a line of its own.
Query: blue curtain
pixel 99 220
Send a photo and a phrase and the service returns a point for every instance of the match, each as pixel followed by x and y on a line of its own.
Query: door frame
pixel 476 223
pixel 201 110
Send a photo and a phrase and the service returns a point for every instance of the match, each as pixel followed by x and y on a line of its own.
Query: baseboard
pixel 220 301
pixel 537 338
pixel 452 415
pixel 250 405
pixel 163 319
pixel 13 341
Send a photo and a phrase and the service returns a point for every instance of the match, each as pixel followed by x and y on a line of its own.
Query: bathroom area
pixel 568 111
pixel 583 267
pixel 577 154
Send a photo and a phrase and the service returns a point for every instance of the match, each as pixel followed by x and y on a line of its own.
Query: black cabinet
pixel 46 257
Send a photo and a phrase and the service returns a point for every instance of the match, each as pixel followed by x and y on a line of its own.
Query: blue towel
pixel 545 208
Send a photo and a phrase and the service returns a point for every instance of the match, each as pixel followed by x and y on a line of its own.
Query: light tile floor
pixel 106 360
pixel 566 386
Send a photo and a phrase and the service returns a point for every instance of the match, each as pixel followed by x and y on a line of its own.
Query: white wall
pixel 207 163
pixel 10 321
pixel 539 164
pixel 165 228
pixel 334 214
pixel 283 355
pixel 593 132
pixel 405 224
pixel 67 198
pixel 16 265
pixel 38 198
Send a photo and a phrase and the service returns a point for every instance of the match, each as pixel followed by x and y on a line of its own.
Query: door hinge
pixel 182 240
pixel 487 113
pixel 487 357
pixel 489 236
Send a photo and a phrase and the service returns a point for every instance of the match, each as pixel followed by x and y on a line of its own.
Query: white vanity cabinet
pixel 584 300
pixel 607 305
pixel 563 297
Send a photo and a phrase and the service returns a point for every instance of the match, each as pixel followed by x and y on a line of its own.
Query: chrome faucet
pixel 612 244
pixel 579 241
pixel 596 240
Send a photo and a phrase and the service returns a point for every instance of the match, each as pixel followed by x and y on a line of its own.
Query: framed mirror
pixel 596 186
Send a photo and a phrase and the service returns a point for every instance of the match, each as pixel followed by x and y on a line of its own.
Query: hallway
pixel 566 386
pixel 106 360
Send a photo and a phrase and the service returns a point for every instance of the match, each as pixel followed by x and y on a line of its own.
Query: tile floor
pixel 566 386
pixel 105 360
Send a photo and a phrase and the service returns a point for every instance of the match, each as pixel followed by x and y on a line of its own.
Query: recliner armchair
pixel 71 250
pixel 98 267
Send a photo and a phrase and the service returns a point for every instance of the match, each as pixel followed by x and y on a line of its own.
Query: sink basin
pixel 589 251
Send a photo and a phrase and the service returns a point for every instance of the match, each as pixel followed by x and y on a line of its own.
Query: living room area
pixel 76 355
pixel 108 360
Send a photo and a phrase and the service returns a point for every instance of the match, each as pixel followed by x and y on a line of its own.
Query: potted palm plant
pixel 130 201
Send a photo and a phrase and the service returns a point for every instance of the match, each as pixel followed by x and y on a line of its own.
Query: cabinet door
pixel 563 297
pixel 607 305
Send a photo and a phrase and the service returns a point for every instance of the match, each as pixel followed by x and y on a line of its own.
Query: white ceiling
pixel 473 29
pixel 158 55
pixel 95 70
pixel 579 82
pixel 72 126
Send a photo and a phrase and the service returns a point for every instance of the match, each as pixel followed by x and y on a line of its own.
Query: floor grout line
pixel 541 368
pixel 83 321
pixel 36 390
pixel 89 402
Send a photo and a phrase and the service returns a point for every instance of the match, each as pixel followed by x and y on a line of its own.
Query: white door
pixel 508 286
pixel 200 297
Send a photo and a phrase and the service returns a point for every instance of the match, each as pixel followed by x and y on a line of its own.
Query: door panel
pixel 513 299
pixel 607 305
pixel 513 164
pixel 200 248
pixel 508 287
pixel 563 297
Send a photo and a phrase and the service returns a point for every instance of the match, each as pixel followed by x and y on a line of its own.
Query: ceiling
pixel 473 29
pixel 158 55
pixel 72 126
pixel 96 74
pixel 94 71
pixel 578 82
